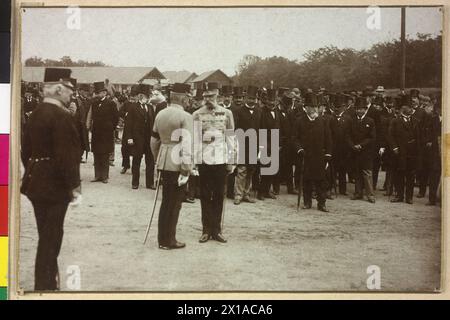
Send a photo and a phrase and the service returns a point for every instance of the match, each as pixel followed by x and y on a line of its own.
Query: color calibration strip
pixel 5 109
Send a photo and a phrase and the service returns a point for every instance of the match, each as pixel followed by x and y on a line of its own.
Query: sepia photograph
pixel 230 149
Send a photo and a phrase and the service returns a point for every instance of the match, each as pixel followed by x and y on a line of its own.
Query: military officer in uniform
pixel 103 122
pixel 175 171
pixel 51 180
pixel 215 159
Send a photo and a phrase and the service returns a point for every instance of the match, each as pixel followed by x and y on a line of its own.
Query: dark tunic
pixel 314 137
pixel 104 121
pixel 246 120
pixel 51 149
pixel 139 127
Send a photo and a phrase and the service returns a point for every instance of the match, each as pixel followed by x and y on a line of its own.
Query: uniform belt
pixel 40 159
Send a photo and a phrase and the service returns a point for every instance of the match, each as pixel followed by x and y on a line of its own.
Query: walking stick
pixel 300 184
pixel 154 206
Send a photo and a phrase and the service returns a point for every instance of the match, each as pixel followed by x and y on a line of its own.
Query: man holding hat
pixel 405 139
pixel 51 148
pixel 215 156
pixel 361 138
pixel 313 145
pixel 104 119
pixel 174 171
pixel 140 120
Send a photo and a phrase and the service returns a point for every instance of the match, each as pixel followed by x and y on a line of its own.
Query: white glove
pixel 194 172
pixel 130 141
pixel 182 180
pixel 382 150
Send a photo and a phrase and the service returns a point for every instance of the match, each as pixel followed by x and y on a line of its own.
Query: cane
pixel 154 206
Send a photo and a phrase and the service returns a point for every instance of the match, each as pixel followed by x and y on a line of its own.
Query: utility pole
pixel 403 50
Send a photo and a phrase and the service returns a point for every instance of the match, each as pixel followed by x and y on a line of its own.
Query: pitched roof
pixel 178 76
pixel 116 75
pixel 207 74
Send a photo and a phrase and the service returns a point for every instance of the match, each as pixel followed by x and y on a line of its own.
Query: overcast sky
pixel 202 39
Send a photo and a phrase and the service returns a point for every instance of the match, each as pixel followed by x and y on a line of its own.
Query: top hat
pixel 99 86
pixel 181 88
pixel 144 89
pixel 227 90
pixel 59 75
pixel 310 99
pixel 252 91
pixel 84 86
pixel 361 102
pixel 271 95
pixel 199 94
pixel 238 91
pixel 340 100
pixel 134 90
pixel 414 93
pixel 404 100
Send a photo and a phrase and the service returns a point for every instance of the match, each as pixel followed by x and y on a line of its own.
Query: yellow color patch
pixel 3 261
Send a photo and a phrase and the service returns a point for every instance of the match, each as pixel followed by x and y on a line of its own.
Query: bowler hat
pixel 145 89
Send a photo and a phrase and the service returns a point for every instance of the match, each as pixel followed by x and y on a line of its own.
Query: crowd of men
pixel 325 141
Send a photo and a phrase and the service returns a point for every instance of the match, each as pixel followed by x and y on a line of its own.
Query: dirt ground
pixel 270 246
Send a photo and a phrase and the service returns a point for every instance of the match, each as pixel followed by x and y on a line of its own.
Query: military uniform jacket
pixel 405 136
pixel 212 130
pixel 362 132
pixel 104 121
pixel 51 149
pixel 246 119
pixel 315 139
pixel 139 122
pixel 172 155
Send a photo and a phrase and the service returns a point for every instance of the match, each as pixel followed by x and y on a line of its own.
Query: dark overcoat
pixel 362 132
pixel 104 121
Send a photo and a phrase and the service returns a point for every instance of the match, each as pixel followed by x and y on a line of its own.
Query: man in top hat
pixel 227 98
pixel 271 122
pixel 313 144
pixel 285 173
pixel 123 114
pixel 405 139
pixel 175 167
pixel 103 122
pixel 51 148
pixel 341 151
pixel 238 96
pixel 361 137
pixel 385 152
pixel 215 159
pixel 140 120
pixel 247 120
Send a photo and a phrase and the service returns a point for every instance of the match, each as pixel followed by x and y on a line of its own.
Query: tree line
pixel 347 69
pixel 65 61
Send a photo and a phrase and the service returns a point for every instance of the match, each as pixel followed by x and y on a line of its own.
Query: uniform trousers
pixel 172 198
pixel 212 188
pixel 50 226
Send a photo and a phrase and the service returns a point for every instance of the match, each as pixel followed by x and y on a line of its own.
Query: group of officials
pixel 325 140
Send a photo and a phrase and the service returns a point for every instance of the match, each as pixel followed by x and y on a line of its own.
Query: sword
pixel 154 206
